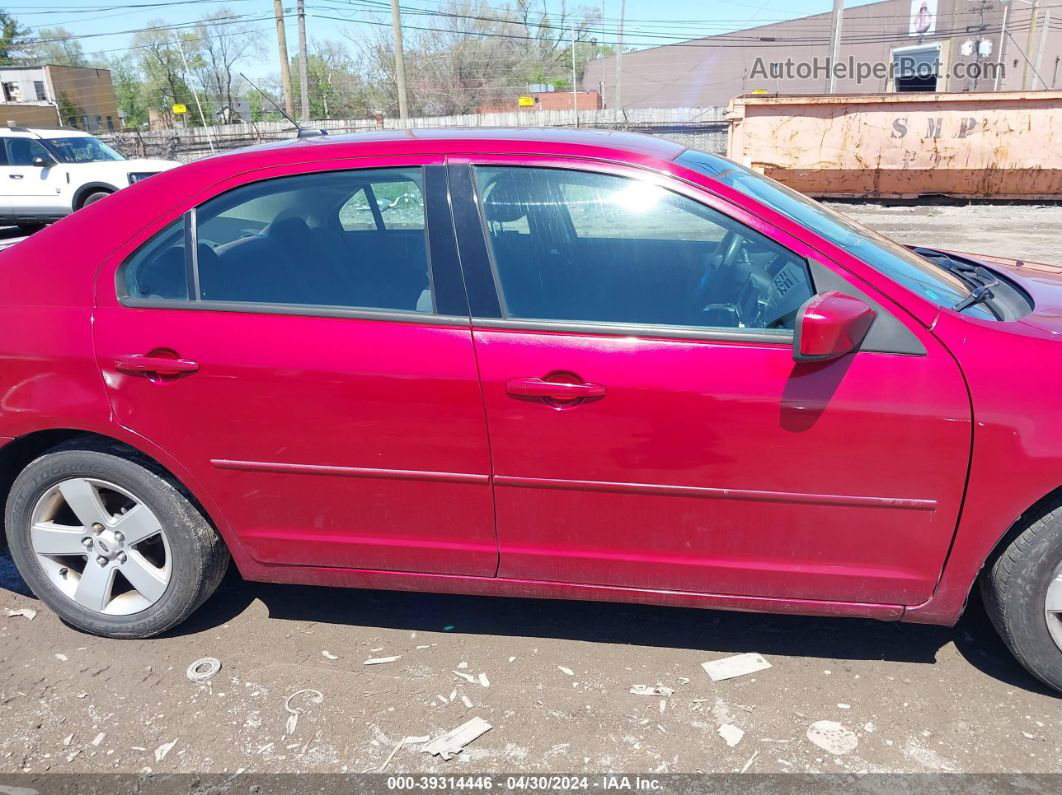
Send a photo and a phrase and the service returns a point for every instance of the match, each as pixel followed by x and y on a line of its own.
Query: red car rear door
pixel 310 370
pixel 649 427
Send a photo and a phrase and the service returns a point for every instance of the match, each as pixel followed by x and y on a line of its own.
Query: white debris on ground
pixel 165 748
pixel 832 737
pixel 454 741
pixel 731 733
pixel 737 665
pixel 203 670
pixel 315 697
pixel 381 660
pixel 25 612
pixel 646 690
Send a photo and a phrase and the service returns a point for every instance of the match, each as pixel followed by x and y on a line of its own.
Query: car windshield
pixel 892 259
pixel 81 149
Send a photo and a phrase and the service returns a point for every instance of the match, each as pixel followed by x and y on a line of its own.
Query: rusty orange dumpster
pixel 1005 145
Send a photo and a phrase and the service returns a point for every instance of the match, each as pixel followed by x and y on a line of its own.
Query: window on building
pixel 39 90
pixel 12 92
pixel 110 124
pixel 916 68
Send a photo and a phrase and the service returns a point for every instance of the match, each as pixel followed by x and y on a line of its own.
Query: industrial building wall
pixel 713 70
pixel 85 97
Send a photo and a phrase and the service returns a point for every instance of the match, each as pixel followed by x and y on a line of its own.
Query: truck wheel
pixel 94 197
pixel 112 546
pixel 1022 591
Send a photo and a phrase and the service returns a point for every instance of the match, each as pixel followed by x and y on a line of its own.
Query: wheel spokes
pixel 94 589
pixel 52 539
pixel 148 580
pixel 138 524
pixel 84 500
pixel 86 531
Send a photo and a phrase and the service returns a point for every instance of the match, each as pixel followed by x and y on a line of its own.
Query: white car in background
pixel 46 174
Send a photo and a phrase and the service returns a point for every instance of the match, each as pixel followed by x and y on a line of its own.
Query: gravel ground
pixel 557 675
pixel 1020 231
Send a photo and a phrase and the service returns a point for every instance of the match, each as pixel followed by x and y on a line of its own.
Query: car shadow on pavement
pixel 711 631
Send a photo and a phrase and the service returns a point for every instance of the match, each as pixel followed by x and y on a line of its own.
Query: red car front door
pixel 306 370
pixel 649 427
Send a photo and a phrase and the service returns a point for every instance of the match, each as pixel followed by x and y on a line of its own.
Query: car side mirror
pixel 41 162
pixel 829 326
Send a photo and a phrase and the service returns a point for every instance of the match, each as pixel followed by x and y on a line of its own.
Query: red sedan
pixel 557 364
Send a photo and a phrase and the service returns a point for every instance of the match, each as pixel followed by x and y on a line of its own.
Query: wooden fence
pixel 702 128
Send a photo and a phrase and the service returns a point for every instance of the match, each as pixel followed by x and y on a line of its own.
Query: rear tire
pixel 1022 590
pixel 64 516
pixel 94 197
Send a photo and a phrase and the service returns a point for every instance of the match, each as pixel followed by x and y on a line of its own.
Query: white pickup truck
pixel 46 174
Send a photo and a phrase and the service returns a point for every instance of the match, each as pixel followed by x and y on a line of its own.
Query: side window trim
pixel 479 268
pixel 191 255
pixel 449 302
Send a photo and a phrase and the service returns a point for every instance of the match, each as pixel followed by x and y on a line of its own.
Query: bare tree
pixel 220 43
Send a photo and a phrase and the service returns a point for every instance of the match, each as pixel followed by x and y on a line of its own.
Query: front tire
pixel 94 197
pixel 1022 590
pixel 109 543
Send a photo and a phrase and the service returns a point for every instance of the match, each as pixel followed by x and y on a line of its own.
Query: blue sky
pixel 103 23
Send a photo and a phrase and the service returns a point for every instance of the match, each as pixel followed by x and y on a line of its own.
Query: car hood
pixel 1041 281
pixel 146 164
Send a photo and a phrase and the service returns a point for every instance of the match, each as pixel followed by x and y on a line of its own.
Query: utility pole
pixel 1025 81
pixel 619 58
pixel 304 78
pixel 1040 48
pixel 1002 41
pixel 400 64
pixel 575 94
pixel 195 94
pixel 282 44
pixel 835 45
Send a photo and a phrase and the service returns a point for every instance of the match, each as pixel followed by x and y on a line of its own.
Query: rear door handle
pixel 537 388
pixel 138 363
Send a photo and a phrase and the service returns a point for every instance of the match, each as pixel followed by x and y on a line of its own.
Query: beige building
pixel 886 47
pixel 51 96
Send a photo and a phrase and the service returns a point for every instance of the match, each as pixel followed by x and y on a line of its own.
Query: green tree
pixel 165 80
pixel 13 38
pixel 57 46
pixel 336 89
pixel 128 82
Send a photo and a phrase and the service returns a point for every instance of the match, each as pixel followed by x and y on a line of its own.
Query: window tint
pixel 892 259
pixel 579 246
pixel 159 268
pixel 23 151
pixel 396 204
pixel 284 241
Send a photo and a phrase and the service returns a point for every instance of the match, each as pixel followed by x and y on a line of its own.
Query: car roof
pixel 41 132
pixel 529 140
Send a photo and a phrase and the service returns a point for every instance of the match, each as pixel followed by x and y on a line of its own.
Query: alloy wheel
pixel 101 546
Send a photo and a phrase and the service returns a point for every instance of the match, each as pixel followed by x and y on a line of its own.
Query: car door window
pixel 23 151
pixel 294 241
pixel 590 247
pixel 391 205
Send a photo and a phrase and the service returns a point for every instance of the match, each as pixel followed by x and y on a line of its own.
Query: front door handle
pixel 557 390
pixel 139 364
pixel 15 176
